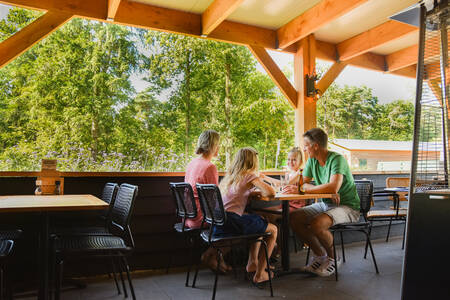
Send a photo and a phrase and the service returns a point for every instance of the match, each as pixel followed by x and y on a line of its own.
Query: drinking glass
pixel 284 180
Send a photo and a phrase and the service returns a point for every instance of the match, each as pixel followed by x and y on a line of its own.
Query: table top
pixel 397 189
pixel 35 203
pixel 292 197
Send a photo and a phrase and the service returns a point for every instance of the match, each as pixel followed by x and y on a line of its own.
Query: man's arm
pixel 327 188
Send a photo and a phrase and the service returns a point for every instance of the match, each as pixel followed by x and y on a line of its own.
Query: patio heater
pixel 428 220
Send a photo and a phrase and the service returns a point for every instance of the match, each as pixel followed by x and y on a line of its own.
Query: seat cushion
pixel 89 243
pixel 386 213
pixel 12 234
pixel 80 231
pixel 205 236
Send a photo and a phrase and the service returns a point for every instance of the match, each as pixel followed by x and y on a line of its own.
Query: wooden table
pixel 45 205
pixel 285 198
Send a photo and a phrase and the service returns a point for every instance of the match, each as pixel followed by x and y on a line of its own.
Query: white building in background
pixel 374 155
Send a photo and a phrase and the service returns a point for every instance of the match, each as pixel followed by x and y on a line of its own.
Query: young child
pixel 239 182
pixel 294 162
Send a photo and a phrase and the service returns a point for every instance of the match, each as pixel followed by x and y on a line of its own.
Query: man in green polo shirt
pixel 332 175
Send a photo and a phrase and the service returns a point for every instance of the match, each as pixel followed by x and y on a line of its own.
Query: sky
pixel 385 87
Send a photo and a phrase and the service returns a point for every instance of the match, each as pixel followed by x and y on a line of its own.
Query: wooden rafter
pixel 408 56
pixel 216 13
pixel 29 35
pixel 436 89
pixel 328 78
pixel 92 9
pixel 113 6
pixel 366 41
pixel 314 18
pixel 275 73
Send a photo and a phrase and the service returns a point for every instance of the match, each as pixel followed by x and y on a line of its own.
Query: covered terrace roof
pixel 346 32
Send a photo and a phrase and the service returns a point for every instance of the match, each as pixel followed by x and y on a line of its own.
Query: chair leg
pixel 307 255
pixel 263 242
pixel 195 275
pixel 58 279
pixel 169 264
pixel 367 244
pixel 404 234
pixel 191 254
pixel 2 287
pixel 342 246
pixel 371 252
pixel 335 258
pixel 219 254
pixel 130 283
pixel 389 230
pixel 294 241
pixel 114 275
pixel 125 293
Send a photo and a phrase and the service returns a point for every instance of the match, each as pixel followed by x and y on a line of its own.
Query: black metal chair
pixel 6 247
pixel 365 192
pixel 100 226
pixel 186 208
pixel 115 246
pixel 389 215
pixel 214 214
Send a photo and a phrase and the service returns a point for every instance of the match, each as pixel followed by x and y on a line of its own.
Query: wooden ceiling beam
pixel 92 9
pixel 375 37
pixel 275 73
pixel 113 6
pixel 31 34
pixel 331 75
pixel 409 71
pixel 402 58
pixel 216 13
pixel 313 19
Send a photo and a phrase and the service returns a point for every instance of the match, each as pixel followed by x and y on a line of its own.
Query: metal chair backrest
pixel 183 197
pixel 211 204
pixel 122 211
pixel 109 196
pixel 392 182
pixel 364 189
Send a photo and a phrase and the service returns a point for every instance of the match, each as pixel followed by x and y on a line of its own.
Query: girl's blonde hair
pixel 298 152
pixel 245 161
pixel 207 141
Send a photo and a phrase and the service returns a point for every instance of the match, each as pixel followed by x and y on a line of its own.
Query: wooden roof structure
pixel 348 32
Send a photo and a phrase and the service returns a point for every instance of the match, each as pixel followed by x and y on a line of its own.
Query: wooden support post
pixel 304 64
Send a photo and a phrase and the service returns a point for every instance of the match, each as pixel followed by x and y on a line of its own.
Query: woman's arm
pixel 269 179
pixel 265 189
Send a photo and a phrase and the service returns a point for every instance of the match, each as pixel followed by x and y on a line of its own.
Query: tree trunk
pixel 188 106
pixel 227 109
pixel 95 135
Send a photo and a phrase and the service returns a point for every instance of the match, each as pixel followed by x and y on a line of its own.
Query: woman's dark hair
pixel 318 136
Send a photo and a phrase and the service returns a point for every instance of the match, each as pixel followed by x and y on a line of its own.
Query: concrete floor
pixel 357 280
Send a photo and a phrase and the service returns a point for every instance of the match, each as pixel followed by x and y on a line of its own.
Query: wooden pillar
pixel 304 64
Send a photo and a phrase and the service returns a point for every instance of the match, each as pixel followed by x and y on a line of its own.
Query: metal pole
pixel 444 89
pixel 415 150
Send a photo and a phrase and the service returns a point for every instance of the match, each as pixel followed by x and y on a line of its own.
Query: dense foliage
pixel 71 97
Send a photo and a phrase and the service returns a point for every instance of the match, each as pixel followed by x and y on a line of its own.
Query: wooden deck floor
pixel 357 281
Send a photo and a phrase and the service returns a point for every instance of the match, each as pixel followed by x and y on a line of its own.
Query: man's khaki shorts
pixel 339 214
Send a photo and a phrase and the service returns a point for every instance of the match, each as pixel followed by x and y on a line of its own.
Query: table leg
pixel 285 259
pixel 44 258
